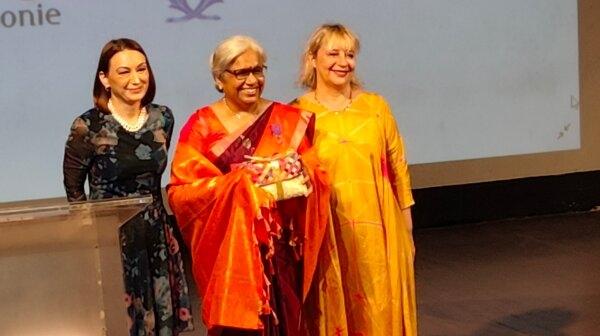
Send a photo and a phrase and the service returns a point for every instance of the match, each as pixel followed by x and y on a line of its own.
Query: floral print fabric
pixel 119 163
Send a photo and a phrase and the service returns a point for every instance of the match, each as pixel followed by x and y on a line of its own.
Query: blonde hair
pixel 229 50
pixel 317 40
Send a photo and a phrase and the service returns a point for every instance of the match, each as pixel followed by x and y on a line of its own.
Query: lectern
pixel 60 267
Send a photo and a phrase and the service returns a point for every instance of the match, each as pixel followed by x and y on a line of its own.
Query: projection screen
pixel 466 79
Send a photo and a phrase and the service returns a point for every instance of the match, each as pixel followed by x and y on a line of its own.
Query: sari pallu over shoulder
pixel 224 218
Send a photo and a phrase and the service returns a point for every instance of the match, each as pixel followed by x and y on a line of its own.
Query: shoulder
pixel 292 109
pixel 373 103
pixel 198 124
pixel 372 98
pixel 302 100
pixel 162 110
pixel 84 121
pixel 89 115
pixel 160 116
pixel 306 103
pixel 203 112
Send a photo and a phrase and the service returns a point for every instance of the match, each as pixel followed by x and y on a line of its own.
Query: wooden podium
pixel 60 267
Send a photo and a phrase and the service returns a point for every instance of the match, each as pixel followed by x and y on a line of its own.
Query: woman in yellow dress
pixel 359 145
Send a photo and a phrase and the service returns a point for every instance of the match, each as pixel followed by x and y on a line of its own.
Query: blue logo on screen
pixel 190 13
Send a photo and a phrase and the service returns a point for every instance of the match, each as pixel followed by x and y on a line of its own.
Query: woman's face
pixel 243 81
pixel 334 63
pixel 127 77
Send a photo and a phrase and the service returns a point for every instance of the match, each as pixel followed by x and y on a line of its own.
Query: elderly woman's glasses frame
pixel 243 74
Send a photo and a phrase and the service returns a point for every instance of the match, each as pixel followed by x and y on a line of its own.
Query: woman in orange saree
pixel 253 258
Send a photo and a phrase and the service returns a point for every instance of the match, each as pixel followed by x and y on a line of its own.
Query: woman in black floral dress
pixel 121 146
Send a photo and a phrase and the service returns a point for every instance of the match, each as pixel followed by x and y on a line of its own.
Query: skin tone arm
pixel 406 212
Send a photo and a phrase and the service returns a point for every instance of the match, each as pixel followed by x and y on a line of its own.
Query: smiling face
pixel 334 63
pixel 243 93
pixel 127 77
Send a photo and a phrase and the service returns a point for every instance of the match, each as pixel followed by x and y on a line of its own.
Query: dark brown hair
pixel 101 95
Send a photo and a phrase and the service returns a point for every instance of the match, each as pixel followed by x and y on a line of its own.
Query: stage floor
pixel 534 276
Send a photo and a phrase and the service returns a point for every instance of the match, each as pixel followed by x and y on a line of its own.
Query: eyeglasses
pixel 243 74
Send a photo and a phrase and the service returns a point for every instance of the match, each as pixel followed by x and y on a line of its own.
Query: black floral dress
pixel 119 163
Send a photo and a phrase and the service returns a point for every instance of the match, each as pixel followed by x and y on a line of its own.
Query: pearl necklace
pixel 327 107
pixel 128 126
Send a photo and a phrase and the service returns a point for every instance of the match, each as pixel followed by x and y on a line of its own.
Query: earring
pixel 107 88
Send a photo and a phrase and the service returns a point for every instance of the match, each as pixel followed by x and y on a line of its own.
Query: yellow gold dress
pixel 363 153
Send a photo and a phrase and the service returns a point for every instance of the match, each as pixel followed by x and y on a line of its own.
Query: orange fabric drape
pixel 224 218
pixel 372 253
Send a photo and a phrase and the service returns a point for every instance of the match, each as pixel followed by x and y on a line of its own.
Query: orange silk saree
pixel 233 228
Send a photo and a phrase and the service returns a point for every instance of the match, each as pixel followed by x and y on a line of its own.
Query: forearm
pixel 74 176
pixel 406 212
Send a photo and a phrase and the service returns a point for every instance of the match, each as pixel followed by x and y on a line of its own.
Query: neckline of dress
pixel 143 118
pixel 243 127
pixel 353 100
